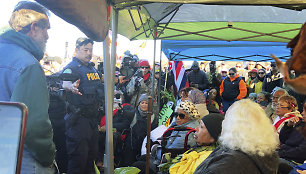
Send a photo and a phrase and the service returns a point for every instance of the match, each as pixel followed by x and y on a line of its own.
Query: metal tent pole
pixel 109 72
pixel 159 79
pixel 152 108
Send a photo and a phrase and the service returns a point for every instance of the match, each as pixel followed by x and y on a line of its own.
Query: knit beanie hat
pixel 262 69
pixel 233 69
pixel 143 97
pixel 213 123
pixel 143 62
pixel 189 108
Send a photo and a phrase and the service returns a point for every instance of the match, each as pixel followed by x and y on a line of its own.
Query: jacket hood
pixel 195 65
pixel 266 164
pixel 23 41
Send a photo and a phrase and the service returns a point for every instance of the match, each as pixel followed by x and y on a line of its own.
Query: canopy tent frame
pixel 293 4
pixel 230 25
pixel 163 22
pixel 225 58
pixel 176 50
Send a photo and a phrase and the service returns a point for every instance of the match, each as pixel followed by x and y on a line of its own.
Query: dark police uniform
pixel 81 120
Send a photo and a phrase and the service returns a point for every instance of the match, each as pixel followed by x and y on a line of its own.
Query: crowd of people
pixel 236 120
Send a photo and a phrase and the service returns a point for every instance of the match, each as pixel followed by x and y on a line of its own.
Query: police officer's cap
pixel 83 41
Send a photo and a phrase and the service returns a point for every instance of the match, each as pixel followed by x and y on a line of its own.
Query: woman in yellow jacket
pixel 256 85
pixel 206 137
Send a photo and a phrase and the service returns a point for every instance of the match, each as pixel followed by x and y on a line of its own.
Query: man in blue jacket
pixel 22 80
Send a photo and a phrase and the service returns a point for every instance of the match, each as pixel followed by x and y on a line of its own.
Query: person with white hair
pixel 276 94
pixel 247 143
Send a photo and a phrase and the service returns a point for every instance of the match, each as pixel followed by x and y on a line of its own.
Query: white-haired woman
pixel 248 142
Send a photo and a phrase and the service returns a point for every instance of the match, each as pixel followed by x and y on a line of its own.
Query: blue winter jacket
pixel 22 80
pixel 178 137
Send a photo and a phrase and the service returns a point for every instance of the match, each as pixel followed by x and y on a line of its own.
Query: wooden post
pixel 150 108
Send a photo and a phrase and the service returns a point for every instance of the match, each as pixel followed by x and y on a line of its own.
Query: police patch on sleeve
pixel 67 71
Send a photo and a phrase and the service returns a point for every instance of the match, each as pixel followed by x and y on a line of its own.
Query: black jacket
pixel 138 132
pixel 293 143
pixel 270 82
pixel 231 88
pixel 123 118
pixel 226 161
pixel 199 78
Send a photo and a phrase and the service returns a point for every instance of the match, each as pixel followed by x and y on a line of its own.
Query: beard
pixel 41 44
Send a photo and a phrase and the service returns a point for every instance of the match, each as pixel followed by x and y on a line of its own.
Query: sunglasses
pixel 261 73
pixel 238 66
pixel 231 74
pixel 145 67
pixel 182 116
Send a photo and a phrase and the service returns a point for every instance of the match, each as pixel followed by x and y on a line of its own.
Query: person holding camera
pixel 129 66
pixel 141 83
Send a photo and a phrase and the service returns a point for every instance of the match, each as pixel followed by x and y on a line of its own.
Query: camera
pixel 128 65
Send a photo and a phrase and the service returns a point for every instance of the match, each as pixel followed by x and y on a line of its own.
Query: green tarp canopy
pixel 210 22
pixel 228 20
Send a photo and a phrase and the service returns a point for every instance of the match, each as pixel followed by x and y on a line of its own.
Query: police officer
pixel 84 98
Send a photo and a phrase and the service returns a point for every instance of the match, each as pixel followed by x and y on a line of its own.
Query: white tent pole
pixel 109 72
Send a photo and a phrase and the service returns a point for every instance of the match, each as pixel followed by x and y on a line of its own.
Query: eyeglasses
pixel 274 98
pixel 238 66
pixel 261 73
pixel 231 74
pixel 145 67
pixel 283 107
pixel 182 116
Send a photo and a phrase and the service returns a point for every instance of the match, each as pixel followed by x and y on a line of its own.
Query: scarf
pixel 142 114
pixel 261 78
pixel 146 76
pixel 23 41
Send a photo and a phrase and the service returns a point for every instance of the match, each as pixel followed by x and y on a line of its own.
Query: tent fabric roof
pixel 224 51
pixel 293 4
pixel 210 22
